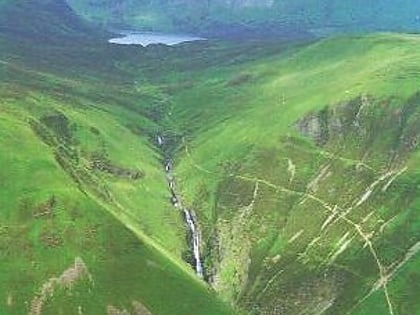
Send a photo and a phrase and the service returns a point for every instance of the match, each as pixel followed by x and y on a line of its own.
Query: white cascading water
pixel 196 242
pixel 195 234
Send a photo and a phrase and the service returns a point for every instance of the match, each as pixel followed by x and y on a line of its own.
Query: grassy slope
pixel 244 142
pixel 243 166
pixel 80 178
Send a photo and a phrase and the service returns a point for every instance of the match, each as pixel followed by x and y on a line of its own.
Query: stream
pixel 189 215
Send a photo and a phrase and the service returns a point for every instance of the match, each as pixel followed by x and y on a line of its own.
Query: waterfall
pixel 196 242
pixel 190 219
pixel 159 140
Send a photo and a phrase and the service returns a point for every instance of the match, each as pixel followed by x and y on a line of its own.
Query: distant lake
pixel 148 38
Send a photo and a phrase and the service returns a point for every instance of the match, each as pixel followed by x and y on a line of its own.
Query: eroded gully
pixel 190 218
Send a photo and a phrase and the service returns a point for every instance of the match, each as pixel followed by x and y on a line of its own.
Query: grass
pixel 276 148
pixel 251 135
pixel 56 206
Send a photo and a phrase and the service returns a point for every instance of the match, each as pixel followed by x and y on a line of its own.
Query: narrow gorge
pixel 194 235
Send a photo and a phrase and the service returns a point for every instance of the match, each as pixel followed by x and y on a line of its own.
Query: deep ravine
pixel 189 215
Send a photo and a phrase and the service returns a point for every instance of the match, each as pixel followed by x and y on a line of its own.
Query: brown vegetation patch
pixel 66 280
pixel 51 239
pixel 103 164
pixel 45 209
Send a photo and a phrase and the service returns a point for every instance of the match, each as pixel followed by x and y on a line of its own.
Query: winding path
pixel 338 213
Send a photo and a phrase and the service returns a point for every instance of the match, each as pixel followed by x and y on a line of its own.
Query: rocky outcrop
pixel 102 164
pixel 372 126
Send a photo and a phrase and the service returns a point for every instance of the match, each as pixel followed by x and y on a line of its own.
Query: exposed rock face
pixel 312 127
pixel 358 121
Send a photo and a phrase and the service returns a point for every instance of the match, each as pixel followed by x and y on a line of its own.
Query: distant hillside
pixel 233 17
pixel 44 20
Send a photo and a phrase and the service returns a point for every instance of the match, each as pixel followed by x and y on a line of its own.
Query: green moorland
pixel 301 162
pixel 86 226
pixel 303 168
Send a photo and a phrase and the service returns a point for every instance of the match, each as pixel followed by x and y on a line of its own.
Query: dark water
pixel 148 38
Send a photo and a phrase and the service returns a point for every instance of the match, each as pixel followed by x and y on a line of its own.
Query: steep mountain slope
pixel 303 170
pixel 300 162
pixel 86 226
pixel 66 170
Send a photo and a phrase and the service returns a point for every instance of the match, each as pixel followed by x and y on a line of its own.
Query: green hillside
pixel 303 168
pixel 71 189
pixel 300 161
pixel 86 226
